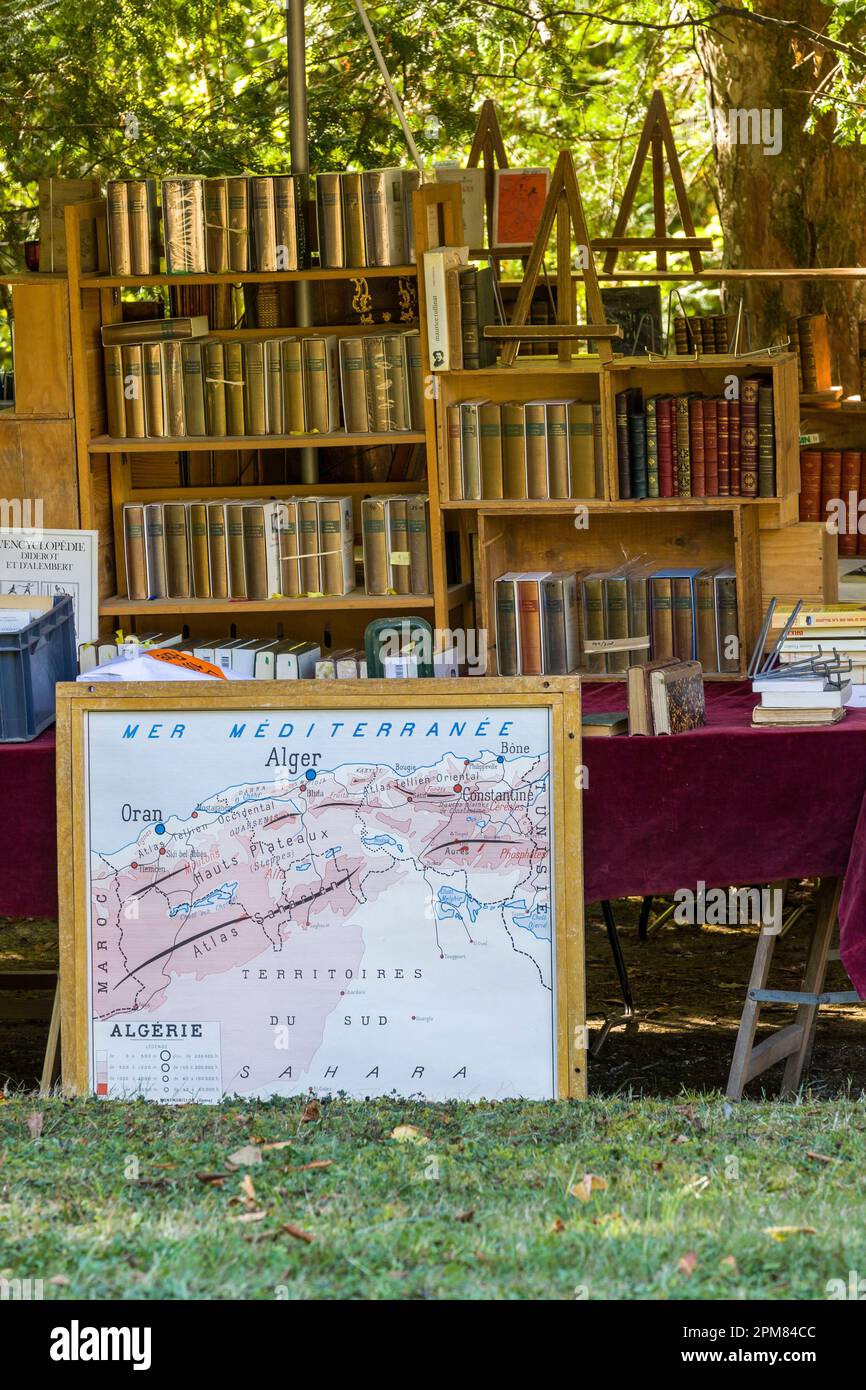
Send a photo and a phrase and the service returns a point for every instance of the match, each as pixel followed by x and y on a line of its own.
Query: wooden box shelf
pixel 709 374
pixel 661 533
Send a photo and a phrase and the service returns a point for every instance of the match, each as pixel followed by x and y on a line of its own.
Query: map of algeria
pixel 277 889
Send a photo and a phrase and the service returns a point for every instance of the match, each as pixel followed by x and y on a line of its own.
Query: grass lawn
pixel 484 1201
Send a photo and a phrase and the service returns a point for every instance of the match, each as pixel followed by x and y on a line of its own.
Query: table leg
pixel 813 981
pixel 743 1049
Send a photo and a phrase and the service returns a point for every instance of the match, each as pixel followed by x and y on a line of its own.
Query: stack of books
pixel 707 333
pixel 810 339
pixel 798 700
pixel 666 697
pixel 524 449
pixel 165 378
pixel 460 305
pixel 263 549
pixel 608 621
pixel 824 634
pixel 697 446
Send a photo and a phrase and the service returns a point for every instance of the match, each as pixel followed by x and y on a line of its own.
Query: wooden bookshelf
pixel 111 471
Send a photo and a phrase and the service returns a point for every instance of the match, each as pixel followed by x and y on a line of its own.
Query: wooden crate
pixel 799 561
pixel 661 533
pixel 709 374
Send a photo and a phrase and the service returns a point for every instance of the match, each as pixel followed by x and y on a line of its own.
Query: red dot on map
pixel 162 849
pixel 458 787
pixel 413 1018
pixel 195 815
pixel 134 864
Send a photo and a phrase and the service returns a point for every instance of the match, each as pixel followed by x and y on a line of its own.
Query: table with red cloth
pixel 728 804
pixel 28 836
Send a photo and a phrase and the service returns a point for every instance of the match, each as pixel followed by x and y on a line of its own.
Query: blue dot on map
pixel 160 829
pixel 311 776
pixel 500 759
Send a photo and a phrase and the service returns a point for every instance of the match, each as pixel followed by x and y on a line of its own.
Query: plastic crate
pixel 32 661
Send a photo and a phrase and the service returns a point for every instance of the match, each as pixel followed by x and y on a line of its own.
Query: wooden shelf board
pixel 357 599
pixel 252 277
pixel 556 506
pixel 217 492
pixel 711 360
pixel 104 444
pixel 548 365
pixel 345 330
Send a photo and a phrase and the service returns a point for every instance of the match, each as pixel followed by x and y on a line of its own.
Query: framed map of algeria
pixel 367 887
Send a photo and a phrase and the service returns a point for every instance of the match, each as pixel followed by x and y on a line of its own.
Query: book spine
pixel 353 385
pixel 766 443
pixel 184 226
pixel 418 526
pixel 553 627
pixel 141 204
pixel 734 442
pixel 290 575
pixel 469 447
pixel 353 219
pixel 331 521
pixel 264 222
pixel 415 369
pixel 724 446
pixel 652 446
pixel 529 627
pixel 233 356
pixel 831 480
pixel 455 453
pixel 684 467
pixel 154 531
pixel 665 429
pixel 490 448
pixel 154 408
pixel 557 449
pixel 469 318
pixel 810 485
pixel 176 550
pixel 513 451
pixel 593 621
pixel 638 453
pixel 711 447
pixel 215 388
pixel 119 238
pixel 850 497
pixel 135 549
pixel 397 383
pixel 505 609
pixel 376 370
pixel 615 590
pixel 581 450
pixel 288 223
pixel 329 215
pixel 254 388
pixel 237 571
pixel 698 471
pixel 294 403
pixel 193 389
pixel 749 436
pixel 274 411
pixel 623 463
pixel 172 380
pixel 115 404
pixel 375 541
pixel 238 197
pixel 216 212
pixel 661 601
pixel 133 390
pixel 198 544
pixel 537 482
pixel 217 550
pixel 728 628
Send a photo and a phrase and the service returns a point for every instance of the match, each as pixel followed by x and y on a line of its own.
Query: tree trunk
pixel 805 205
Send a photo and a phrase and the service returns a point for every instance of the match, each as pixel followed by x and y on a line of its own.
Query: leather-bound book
pixel 154 404
pixel 810 484
pixel 697 457
pixel 666 445
pixel 490 448
pixel 537 480
pixel 734 415
pixel 135 550
pixel 529 623
pixel 329 213
pixel 264 222
pixel 238 197
pixel 198 548
pixel 723 436
pixel 237 576
pixel 399 558
pixel 255 420
pixel 133 390
pixel 683 476
pixel 119 239
pixel 556 430
pixel 507 635
pixel 623 458
pixel 766 442
pixel 711 448
pixel 193 388
pixel 850 495
pixel 513 450
pixel 831 480
pixel 233 356
pixel 294 409
pixel 176 550
pixel 581 454
pixel 217 549
pixel 637 453
pixel 652 446
pixel 678 698
pixel 115 403
pixel 814 332
pixel 418 527
pixel 375 541
pixel 216 417
pixel 639 696
pixel 353 384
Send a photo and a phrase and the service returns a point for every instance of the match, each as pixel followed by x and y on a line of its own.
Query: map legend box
pixel 172 1062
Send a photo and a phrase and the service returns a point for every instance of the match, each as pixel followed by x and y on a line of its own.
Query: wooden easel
pixel 655 137
pixel 488 148
pixel 564 207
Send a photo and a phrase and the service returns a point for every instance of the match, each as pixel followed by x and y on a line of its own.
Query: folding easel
pixel 656 139
pixel 564 208
pixel 488 148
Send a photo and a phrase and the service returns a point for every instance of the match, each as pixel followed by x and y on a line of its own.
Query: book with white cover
pixel 437 263
pixel 35 561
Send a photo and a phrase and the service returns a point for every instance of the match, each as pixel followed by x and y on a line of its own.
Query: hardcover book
pixel 677 695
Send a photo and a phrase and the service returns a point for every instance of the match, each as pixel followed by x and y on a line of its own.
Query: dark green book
pixel 652 447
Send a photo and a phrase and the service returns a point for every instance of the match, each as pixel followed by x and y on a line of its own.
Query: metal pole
pixel 300 153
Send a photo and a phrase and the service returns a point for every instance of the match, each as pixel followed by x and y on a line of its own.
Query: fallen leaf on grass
pixel 783 1232
pixel 280 1144
pixel 247 1189
pixel 688 1262
pixel 730 1263
pixel 297 1233
pixel 35 1122
pixel 590 1183
pixel 408 1134
pixel 250 1216
pixel 60 1280
pixel 465 1215
pixel 216 1178
pixel 245 1157
pixel 680 1139
pixel 556 1228
pixel 658 1165
pixel 305 1167
pixel 821 1158
pixel 311 1112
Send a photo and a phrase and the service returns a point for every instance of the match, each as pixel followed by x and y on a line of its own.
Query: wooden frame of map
pixel 367 887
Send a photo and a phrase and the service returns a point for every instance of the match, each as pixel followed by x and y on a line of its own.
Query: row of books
pixel 267 549
pixel 524 449
pixel 828 478
pixel 256 222
pixel 608 620
pixel 836 630
pixel 461 303
pixel 702 333
pixel 697 446
pixel 173 387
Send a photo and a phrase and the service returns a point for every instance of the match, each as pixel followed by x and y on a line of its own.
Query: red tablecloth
pixel 728 804
pixel 28 838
